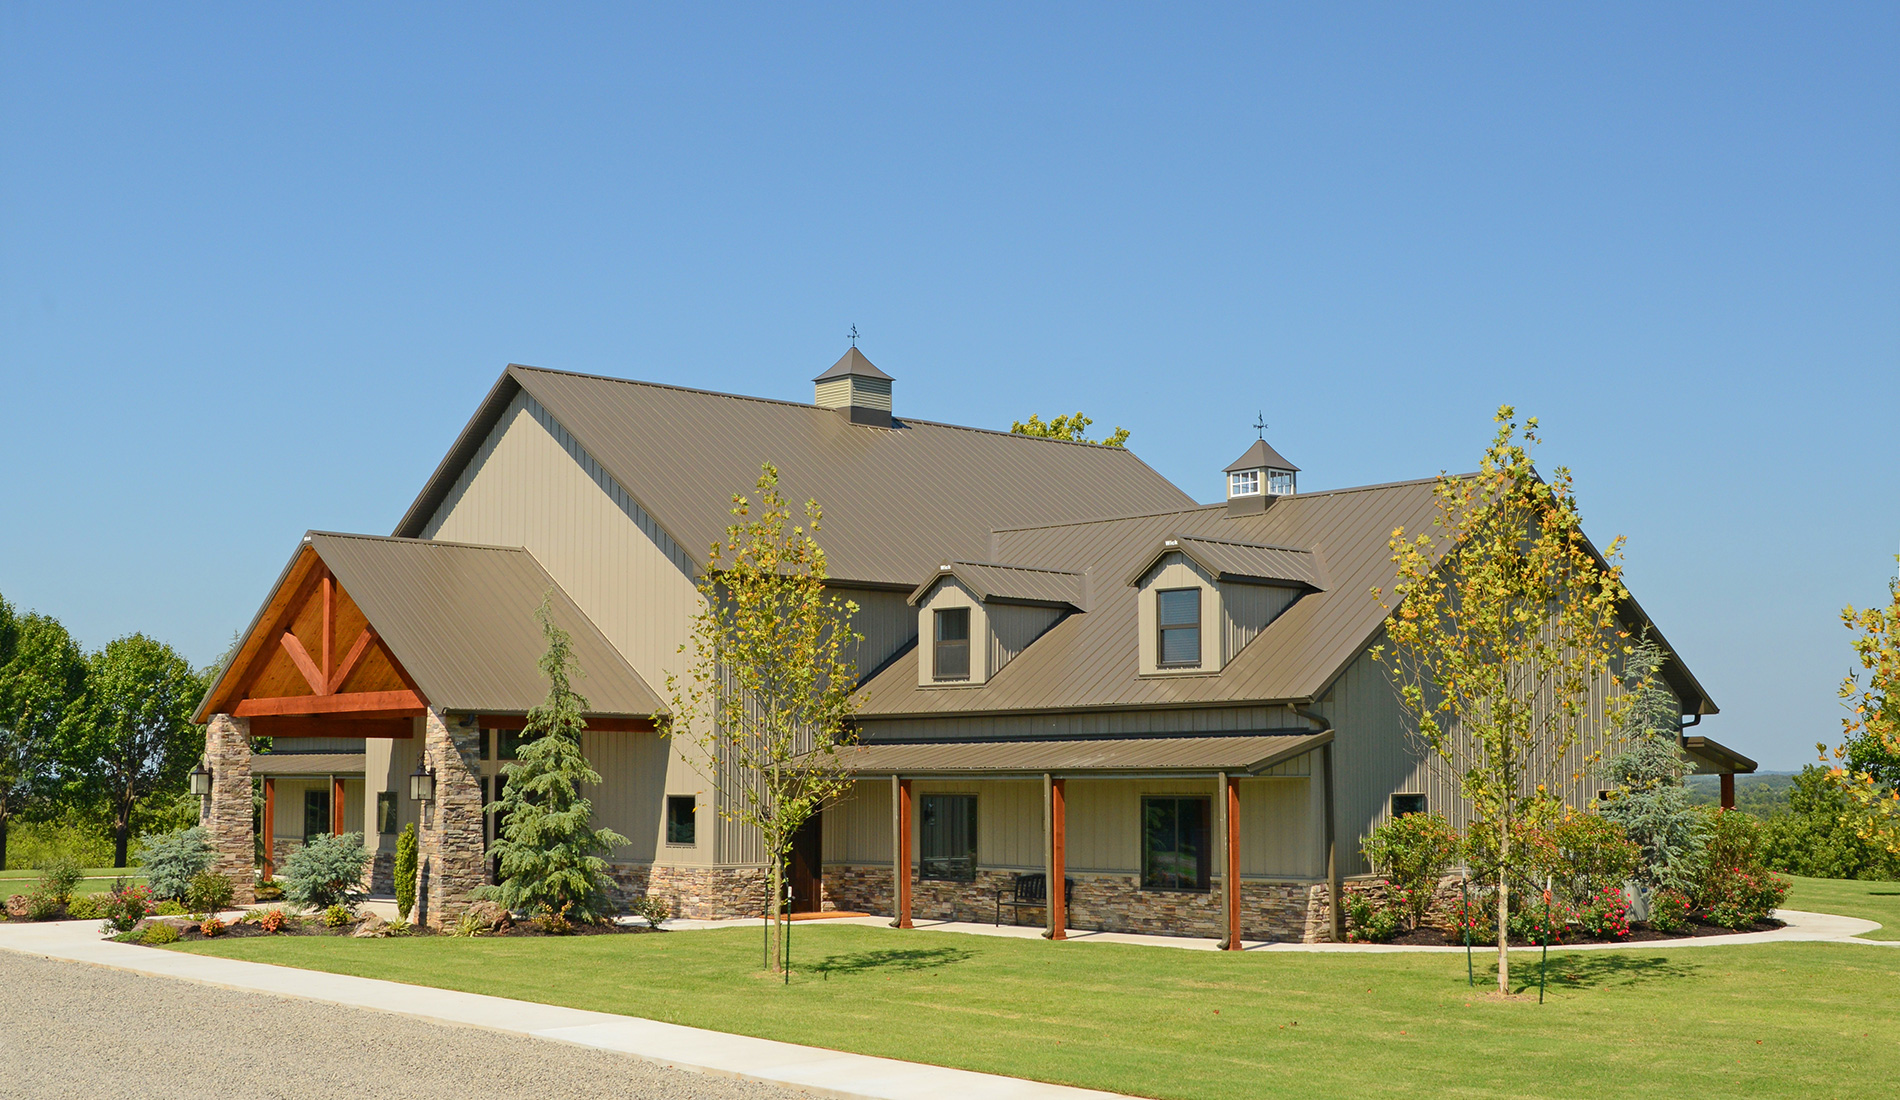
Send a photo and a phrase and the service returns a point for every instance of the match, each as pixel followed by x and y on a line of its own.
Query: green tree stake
pixel 1543 969
pixel 1464 918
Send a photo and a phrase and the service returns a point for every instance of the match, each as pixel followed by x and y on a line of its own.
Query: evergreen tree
pixel 406 851
pixel 550 852
pixel 1649 800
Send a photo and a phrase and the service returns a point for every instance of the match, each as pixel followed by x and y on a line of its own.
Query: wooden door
pixel 807 866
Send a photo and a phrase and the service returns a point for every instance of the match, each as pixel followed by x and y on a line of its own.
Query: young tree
pixel 1497 641
pixel 550 853
pixel 1072 428
pixel 41 674
pixel 1649 800
pixel 768 694
pixel 1870 751
pixel 130 735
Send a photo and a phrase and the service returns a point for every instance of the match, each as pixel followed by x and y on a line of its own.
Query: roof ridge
pixel 1104 519
pixel 425 542
pixel 1245 545
pixel 1018 568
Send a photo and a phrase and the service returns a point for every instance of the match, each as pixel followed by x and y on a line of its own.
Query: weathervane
pixel 854 336
pixel 1259 423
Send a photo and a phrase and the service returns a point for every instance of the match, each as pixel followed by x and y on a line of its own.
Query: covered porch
pixel 1227 837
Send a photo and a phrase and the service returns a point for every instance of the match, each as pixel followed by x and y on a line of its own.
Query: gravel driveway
pixel 76 1030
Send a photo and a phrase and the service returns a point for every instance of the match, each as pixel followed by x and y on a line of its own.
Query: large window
pixel 682 822
pixel 1174 851
pixel 316 813
pixel 1178 614
pixel 948 848
pixel 952 644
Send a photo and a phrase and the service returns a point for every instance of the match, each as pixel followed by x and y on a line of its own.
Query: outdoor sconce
pixel 201 780
pixel 422 784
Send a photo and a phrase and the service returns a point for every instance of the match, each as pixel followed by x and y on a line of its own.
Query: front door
pixel 807 865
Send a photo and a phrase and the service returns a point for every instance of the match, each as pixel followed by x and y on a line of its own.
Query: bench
pixel 1031 892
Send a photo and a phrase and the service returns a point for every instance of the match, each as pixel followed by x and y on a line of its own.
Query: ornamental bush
pixel 1580 856
pixel 158 935
pixel 326 871
pixel 85 907
pixel 1669 910
pixel 208 893
pixel 1743 896
pixel 1607 916
pixel 1476 917
pixel 1538 924
pixel 211 926
pixel 1370 923
pixel 126 905
pixel 42 906
pixel 59 877
pixel 171 860
pixel 1412 851
pixel 406 845
pixel 338 916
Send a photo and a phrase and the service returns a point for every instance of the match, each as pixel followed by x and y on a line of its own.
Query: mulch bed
pixel 315 927
pixel 1639 933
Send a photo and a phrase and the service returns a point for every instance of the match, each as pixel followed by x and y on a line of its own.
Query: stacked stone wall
pixel 450 848
pixel 226 815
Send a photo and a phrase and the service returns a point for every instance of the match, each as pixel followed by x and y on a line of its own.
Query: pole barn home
pixel 1071 673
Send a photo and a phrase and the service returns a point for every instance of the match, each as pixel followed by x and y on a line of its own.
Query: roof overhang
pixel 1017 584
pixel 1234 754
pixel 281 765
pixel 1238 563
pixel 1712 758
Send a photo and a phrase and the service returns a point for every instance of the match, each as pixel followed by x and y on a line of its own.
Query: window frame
pixel 1162 628
pixel 1281 483
pixel 1251 478
pixel 673 837
pixel 311 797
pixel 1419 807
pixel 1154 880
pixel 938 617
pixel 930 810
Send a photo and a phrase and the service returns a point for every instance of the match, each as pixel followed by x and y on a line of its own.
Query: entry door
pixel 807 865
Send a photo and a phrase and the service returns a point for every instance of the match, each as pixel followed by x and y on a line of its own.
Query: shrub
pixel 211 926
pixel 126 905
pixel 327 871
pixel 656 910
pixel 406 845
pixel 338 915
pixel 85 907
pixel 1743 896
pixel 271 890
pixel 58 878
pixel 173 859
pixel 1607 916
pixel 42 906
pixel 1538 924
pixel 169 908
pixel 470 925
pixel 1412 851
pixel 271 921
pixel 553 922
pixel 1478 916
pixel 398 927
pixel 1370 923
pixel 1581 856
pixel 158 935
pixel 208 893
pixel 1669 910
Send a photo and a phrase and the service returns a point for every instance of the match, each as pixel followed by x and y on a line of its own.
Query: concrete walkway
pixel 809 1069
pixel 1800 927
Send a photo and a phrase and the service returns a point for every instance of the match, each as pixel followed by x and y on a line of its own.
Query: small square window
pixel 386 811
pixel 1178 615
pixel 952 648
pixel 1403 804
pixel 1243 483
pixel 682 819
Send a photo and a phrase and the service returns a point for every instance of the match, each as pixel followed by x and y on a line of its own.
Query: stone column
pixel 450 844
pixel 226 815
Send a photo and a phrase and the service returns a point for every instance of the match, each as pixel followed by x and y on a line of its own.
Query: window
pixel 948 848
pixel 386 811
pixel 1243 483
pixel 1178 613
pixel 1174 853
pixel 1403 804
pixel 682 819
pixel 953 644
pixel 1279 482
pixel 316 813
pixel 510 742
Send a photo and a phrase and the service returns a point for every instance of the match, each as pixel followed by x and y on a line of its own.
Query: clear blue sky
pixel 257 268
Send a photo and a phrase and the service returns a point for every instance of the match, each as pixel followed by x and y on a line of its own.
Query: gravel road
pixel 73 1030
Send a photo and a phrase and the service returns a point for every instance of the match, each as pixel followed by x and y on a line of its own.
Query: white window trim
pixel 1249 478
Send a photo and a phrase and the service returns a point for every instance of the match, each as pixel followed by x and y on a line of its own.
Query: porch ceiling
pixel 1242 753
pixel 307 763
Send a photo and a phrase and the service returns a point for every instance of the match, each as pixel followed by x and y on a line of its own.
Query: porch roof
pixel 1240 753
pixel 306 763
pixel 1713 758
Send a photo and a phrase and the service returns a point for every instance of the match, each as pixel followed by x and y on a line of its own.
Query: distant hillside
pixel 1760 794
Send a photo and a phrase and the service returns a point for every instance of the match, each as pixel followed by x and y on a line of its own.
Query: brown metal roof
pixel 1009 583
pixel 897 500
pixel 461 619
pixel 1713 758
pixel 307 763
pixel 1239 561
pixel 853 362
pixel 1247 753
pixel 1260 455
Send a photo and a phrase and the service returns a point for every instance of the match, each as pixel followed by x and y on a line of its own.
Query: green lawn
pixel 1850 898
pixel 1775 1020
pixel 98 880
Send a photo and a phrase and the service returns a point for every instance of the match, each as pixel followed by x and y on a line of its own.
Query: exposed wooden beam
pixel 382 704
pixel 1230 874
pixel 329 609
pixel 599 725
pixel 345 725
pixel 900 861
pixel 270 822
pixel 280 621
pixel 337 816
pixel 300 657
pixel 1058 859
pixel 348 666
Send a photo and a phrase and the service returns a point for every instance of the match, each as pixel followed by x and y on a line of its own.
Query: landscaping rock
pixel 491 914
pixel 373 927
pixel 19 905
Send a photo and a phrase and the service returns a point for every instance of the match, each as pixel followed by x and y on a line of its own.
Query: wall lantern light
pixel 201 780
pixel 422 784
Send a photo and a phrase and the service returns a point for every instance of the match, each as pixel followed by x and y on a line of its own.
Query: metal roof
pixel 1239 561
pixel 1260 456
pixel 1246 753
pixel 897 500
pixel 1009 583
pixel 1713 758
pixel 307 763
pixel 853 362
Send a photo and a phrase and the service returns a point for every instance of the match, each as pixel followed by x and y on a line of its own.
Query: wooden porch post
pixel 1728 790
pixel 1058 868
pixel 1335 907
pixel 900 852
pixel 270 827
pixel 1230 869
pixel 337 819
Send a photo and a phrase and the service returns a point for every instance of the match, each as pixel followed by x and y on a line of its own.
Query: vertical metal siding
pixel 1246 609
pixel 1013 627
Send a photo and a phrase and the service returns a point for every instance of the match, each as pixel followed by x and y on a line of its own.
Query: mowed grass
pixel 98 880
pixel 1850 898
pixel 1772 1020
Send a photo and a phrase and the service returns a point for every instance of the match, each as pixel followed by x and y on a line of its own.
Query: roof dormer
pixel 856 388
pixel 1256 477
pixel 975 617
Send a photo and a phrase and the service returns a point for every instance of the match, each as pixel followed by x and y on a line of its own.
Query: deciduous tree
pixel 1505 620
pixel 1072 428
pixel 1868 768
pixel 41 675
pixel 767 695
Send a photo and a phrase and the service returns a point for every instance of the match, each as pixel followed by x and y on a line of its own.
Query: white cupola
pixel 1257 476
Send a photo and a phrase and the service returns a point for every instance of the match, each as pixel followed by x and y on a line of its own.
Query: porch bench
pixel 1031 891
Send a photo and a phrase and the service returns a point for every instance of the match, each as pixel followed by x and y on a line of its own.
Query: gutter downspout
pixel 1335 908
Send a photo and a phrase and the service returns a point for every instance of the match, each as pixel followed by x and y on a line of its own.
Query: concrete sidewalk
pixel 810 1069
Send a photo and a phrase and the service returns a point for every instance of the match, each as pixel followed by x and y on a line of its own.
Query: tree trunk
pixel 3 841
pixel 1504 911
pixel 772 907
pixel 121 830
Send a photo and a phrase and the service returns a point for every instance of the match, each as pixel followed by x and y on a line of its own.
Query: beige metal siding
pixel 951 593
pixel 886 620
pixel 1280 828
pixel 1012 628
pixel 1136 723
pixel 865 393
pixel 1246 609
pixel 631 795
pixel 857 827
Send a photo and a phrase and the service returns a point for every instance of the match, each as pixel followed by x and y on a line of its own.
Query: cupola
pixel 856 388
pixel 1256 477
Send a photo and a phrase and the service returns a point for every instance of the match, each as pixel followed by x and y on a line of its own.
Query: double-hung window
pixel 1174 851
pixel 1178 618
pixel 952 644
pixel 947 848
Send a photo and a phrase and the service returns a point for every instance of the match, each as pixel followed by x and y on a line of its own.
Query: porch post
pixel 1335 906
pixel 270 827
pixel 450 849
pixel 227 813
pixel 1058 864
pixel 900 852
pixel 1728 790
pixel 338 818
pixel 1230 863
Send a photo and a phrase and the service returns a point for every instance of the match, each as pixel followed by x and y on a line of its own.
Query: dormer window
pixel 1243 483
pixel 1178 618
pixel 952 648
